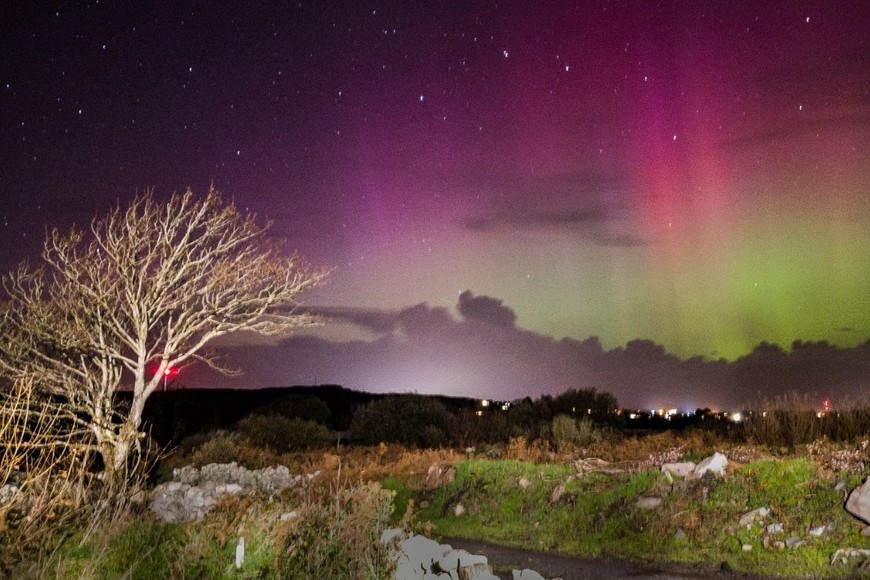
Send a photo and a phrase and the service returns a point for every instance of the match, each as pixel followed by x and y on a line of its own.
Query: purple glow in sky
pixel 691 174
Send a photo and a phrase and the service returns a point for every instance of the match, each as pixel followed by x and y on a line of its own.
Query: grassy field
pixel 522 494
pixel 510 503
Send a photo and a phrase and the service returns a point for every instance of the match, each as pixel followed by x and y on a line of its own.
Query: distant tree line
pixel 365 418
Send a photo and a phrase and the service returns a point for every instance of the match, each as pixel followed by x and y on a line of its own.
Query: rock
pixel 840 485
pixel 662 486
pixel 746 547
pixel 680 535
pixel 527 575
pixel 793 542
pixel 292 515
pixel 750 518
pixel 843 555
pixel 716 464
pixel 456 559
pixel 779 545
pixel 818 532
pixel 466 566
pixel 8 493
pixel 648 502
pixel 524 483
pixel 458 510
pixel 774 528
pixel 420 558
pixel 858 503
pixel 682 469
pixel 557 493
pixel 421 552
pixel 389 535
pixel 866 532
pixel 195 491
pixel 439 475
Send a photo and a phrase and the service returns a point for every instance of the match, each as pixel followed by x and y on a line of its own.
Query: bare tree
pixel 144 290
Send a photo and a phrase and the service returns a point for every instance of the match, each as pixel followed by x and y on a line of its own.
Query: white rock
pixel 391 534
pixel 774 529
pixel 421 551
pixel 716 464
pixel 527 575
pixel 456 559
pixel 524 483
pixel 858 503
pixel 233 488
pixel 818 532
pixel 681 469
pixel 458 510
pixel 751 517
pixel 747 547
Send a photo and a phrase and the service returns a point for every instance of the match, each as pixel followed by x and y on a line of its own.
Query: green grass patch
pixel 402 494
pixel 697 521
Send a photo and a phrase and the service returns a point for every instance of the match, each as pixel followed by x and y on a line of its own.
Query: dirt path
pixel 548 565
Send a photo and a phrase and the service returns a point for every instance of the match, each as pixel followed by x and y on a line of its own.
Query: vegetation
pixel 144 291
pixel 414 420
pixel 508 491
pixel 279 433
pixel 512 503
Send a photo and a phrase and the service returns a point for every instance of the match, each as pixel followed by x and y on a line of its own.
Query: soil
pixel 503 560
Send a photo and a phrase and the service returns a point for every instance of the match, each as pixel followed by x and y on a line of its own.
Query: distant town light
pixel 479 413
pixel 484 403
pixel 737 416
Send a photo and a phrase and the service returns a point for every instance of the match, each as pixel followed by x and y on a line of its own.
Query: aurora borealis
pixel 684 173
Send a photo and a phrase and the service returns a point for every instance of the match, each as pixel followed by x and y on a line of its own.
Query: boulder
pixel 419 558
pixel 858 503
pixel 682 469
pixel 194 491
pixel 527 575
pixel 715 464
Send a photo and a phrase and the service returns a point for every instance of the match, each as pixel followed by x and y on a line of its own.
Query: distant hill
pixel 174 414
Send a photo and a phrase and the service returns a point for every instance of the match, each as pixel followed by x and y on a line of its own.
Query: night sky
pixel 491 183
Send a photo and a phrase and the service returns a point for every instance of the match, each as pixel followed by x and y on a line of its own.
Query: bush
pixel 298 406
pixel 224 447
pixel 281 434
pixel 569 433
pixel 413 420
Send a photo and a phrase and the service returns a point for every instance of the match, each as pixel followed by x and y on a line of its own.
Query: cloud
pixel 590 224
pixel 571 219
pixel 487 309
pixel 378 322
pixel 483 354
pixel 852 120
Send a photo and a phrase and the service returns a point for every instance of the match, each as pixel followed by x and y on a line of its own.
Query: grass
pixel 508 497
pixel 597 515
